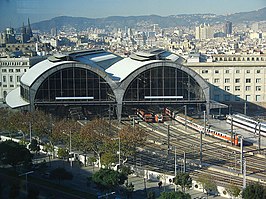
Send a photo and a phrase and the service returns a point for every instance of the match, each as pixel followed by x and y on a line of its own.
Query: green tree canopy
pixel 63 129
pixel 108 158
pixel 107 179
pixel 34 146
pixel 174 195
pixel 254 191
pixel 12 153
pixel 96 136
pixel 131 138
pixel 233 190
pixel 151 195
pixel 63 153
pixel 4 122
pixel 207 183
pixel 184 180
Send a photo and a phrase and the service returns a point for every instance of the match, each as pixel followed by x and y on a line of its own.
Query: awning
pixel 214 104
pixel 14 100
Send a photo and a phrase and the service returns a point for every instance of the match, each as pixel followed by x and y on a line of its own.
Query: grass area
pixel 47 183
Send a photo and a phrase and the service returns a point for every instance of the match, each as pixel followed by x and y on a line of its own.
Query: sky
pixel 15 12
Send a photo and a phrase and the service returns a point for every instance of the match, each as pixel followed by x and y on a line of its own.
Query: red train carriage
pixel 145 116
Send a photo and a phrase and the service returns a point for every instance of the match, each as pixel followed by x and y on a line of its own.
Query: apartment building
pixel 235 78
pixel 11 70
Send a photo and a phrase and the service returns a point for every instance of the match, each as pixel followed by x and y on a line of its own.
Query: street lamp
pixel 70 144
pixel 106 195
pixel 26 174
pixel 175 167
pixel 30 131
pixel 20 131
pixel 119 149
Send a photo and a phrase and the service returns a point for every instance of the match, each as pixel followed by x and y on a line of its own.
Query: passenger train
pixel 145 116
pixel 148 116
pixel 200 128
pixel 247 123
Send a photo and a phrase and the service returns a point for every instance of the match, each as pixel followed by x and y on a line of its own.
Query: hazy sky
pixel 14 12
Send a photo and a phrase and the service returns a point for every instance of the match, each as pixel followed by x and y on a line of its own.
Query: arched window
pixel 165 84
pixel 5 94
pixel 74 84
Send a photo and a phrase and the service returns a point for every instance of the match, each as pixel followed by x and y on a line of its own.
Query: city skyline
pixel 15 12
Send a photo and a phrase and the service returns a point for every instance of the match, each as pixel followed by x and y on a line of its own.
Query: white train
pixel 200 127
pixel 247 123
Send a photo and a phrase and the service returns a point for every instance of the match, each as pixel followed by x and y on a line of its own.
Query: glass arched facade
pixel 24 92
pixel 165 84
pixel 74 84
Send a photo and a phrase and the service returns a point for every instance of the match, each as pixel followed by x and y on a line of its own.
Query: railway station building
pixel 92 81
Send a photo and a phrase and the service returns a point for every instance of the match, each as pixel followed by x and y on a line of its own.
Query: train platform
pixel 248 136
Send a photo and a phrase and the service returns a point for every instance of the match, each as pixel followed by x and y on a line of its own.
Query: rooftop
pixel 116 67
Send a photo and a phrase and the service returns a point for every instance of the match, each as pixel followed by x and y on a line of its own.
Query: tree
pixel 97 136
pixel 40 122
pixel 207 183
pixel 34 146
pixel 126 170
pixel 254 191
pixel 184 180
pixel 151 195
pixel 174 195
pixel 4 122
pixel 233 190
pixel 18 121
pixel 92 160
pixel 108 158
pixel 62 153
pixel 107 179
pixel 131 138
pixel 61 174
pixel 129 188
pixel 49 149
pixel 62 129
pixel 12 153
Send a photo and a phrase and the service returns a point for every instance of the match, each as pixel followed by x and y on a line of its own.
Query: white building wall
pixel 235 79
pixel 11 70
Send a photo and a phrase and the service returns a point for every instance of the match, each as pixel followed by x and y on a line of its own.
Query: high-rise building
pixel 204 32
pixel 228 28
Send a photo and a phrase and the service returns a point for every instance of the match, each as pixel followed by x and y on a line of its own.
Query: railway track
pixel 215 152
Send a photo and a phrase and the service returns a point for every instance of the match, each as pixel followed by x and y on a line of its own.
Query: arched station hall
pixel 96 82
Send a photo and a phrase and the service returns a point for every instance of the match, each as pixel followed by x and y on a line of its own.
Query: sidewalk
pixel 79 182
pixel 139 191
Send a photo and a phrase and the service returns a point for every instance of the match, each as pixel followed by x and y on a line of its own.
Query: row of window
pixel 205 71
pixel 258 98
pixel 237 80
pixel 21 63
pixel 18 70
pixel 11 86
pixel 240 59
pixel 247 88
pixel 11 79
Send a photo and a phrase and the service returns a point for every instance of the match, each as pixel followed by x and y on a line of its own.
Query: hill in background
pixel 82 23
